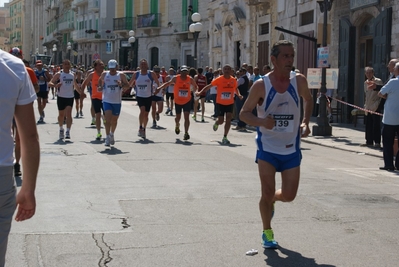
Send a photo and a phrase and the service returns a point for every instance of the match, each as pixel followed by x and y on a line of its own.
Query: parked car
pixel 131 93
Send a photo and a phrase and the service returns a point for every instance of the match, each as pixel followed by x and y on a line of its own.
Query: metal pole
pixel 195 48
pixel 323 128
pixel 132 56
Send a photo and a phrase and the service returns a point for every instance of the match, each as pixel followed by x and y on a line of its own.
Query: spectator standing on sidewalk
pixel 373 125
pixel 391 67
pixel 390 120
pixel 276 97
pixel 17 97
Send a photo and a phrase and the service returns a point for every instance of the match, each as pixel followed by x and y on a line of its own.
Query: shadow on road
pixel 113 151
pixel 289 259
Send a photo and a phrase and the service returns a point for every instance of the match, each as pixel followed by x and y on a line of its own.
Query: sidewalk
pixel 344 136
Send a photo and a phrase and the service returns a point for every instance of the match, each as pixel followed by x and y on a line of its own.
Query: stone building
pixel 365 33
pixel 161 32
pixel 92 36
pixel 5 27
pixel 17 22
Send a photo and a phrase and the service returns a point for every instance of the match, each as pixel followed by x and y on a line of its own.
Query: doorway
pixel 365 57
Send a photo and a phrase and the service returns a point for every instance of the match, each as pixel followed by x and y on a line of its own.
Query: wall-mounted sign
pixel 356 4
pixel 314 78
pixel 125 43
pixel 108 47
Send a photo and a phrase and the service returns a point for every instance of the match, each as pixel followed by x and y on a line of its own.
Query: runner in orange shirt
pixel 226 88
pixel 182 97
pixel 96 95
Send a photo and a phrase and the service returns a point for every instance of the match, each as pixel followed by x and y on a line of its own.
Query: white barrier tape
pixel 354 106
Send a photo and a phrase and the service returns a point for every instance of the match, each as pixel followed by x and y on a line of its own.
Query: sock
pixel 61 128
pixel 68 129
pixel 111 133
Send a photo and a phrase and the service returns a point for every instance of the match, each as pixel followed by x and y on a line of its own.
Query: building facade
pixel 365 33
pixel 17 22
pixel 161 33
pixel 5 27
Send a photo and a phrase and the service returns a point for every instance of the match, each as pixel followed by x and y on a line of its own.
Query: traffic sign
pixel 322 57
pixel 96 56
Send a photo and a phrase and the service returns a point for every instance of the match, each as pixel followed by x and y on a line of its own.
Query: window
pixel 306 18
pixel 264 28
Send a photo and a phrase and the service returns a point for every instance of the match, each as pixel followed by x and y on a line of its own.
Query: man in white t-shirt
pixel 390 120
pixel 17 97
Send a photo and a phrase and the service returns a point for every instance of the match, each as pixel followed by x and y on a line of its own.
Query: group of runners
pixel 275 97
pixel 106 87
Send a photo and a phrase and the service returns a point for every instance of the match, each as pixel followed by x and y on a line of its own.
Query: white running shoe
pixel 107 141
pixel 112 139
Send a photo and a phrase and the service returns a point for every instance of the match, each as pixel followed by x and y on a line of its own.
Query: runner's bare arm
pixel 53 80
pixel 304 92
pixel 124 83
pixel 164 85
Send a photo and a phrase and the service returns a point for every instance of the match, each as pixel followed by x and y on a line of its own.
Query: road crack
pixel 104 248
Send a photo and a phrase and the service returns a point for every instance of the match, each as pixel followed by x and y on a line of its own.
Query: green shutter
pixel 195 5
pixel 129 8
pixel 184 16
pixel 154 6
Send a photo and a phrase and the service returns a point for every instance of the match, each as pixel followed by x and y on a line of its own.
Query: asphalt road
pixel 168 202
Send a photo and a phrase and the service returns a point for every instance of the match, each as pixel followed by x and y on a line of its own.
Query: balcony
pixel 66 26
pixel 149 21
pixel 123 24
pixel 79 2
pixel 94 5
pixel 55 4
pixel 80 35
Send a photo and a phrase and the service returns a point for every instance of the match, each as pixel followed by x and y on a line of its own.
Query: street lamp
pixel 323 128
pixel 69 47
pixel 195 28
pixel 54 54
pixel 44 50
pixel 132 39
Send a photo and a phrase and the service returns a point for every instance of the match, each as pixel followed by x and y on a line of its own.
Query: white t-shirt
pixel 16 89
pixel 391 107
pixel 112 93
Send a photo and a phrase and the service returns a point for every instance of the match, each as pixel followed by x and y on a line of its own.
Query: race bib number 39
pixel 283 123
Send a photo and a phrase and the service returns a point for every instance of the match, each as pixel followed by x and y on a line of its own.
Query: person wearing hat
pixel 43 77
pixel 182 97
pixel 16 102
pixel 112 84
